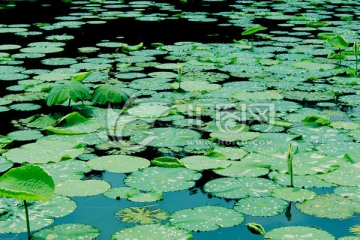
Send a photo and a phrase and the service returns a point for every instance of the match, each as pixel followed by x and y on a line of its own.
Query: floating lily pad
pixel 5 164
pixel 240 187
pixel 329 206
pixel 293 194
pixel 66 170
pixel 149 111
pixel 134 194
pixel 118 163
pixel 82 188
pixel 298 232
pixel 207 218
pixel 203 162
pixel 262 207
pixel 162 179
pixel 196 86
pixel 68 231
pixel 25 135
pixel 241 169
pixel 142 215
pixel 352 193
pixel 306 181
pixel 43 213
pixel 44 151
pixel 153 232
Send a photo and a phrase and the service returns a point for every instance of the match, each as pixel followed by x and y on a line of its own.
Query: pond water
pixel 201 118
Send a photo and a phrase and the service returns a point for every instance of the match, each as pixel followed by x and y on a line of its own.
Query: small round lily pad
pixel 298 232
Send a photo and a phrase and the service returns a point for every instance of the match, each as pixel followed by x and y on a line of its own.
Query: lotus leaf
pixel 44 151
pixel 13 214
pixel 293 194
pixel 306 181
pixel 329 206
pixel 118 163
pixel 82 187
pixel 346 175
pixel 199 163
pixel 162 179
pixel 73 90
pixel 134 194
pixel 153 232
pixel 241 169
pixel 298 232
pixel 352 193
pixel 240 187
pixel 67 231
pixel 142 215
pixel 169 162
pixel 66 170
pixel 262 207
pixel 206 218
pixel 105 94
pixel 149 110
pixel 25 135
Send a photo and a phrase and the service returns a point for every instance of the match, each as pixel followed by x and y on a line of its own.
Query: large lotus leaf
pixel 241 169
pixel 133 194
pixel 338 41
pixel 66 170
pixel 118 163
pixel 240 187
pixel 308 163
pixel 27 183
pixel 4 141
pixel 204 162
pixel 67 231
pixel 196 86
pixel 169 162
pixel 162 179
pixel 84 139
pixel 340 148
pixel 142 215
pixel 352 193
pixel 147 110
pixel 73 90
pixel 345 125
pixel 25 135
pixel 298 232
pixel 44 151
pixel 313 66
pixel 206 218
pixel 153 232
pixel 329 206
pixel 109 94
pixel 74 123
pixel 308 181
pixel 41 214
pixel 5 164
pixel 42 121
pixel 234 136
pixel 309 96
pixel 258 96
pixel 252 30
pixel 261 207
pixel 166 137
pixel 82 188
pixel 293 194
pixel 346 175
pixel 231 153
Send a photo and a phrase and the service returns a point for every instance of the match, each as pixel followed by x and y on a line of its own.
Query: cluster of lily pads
pixel 163 115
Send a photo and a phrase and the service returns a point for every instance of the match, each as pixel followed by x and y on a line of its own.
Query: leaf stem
pixel 27 220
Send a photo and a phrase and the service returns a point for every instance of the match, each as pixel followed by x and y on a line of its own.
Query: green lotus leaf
pixel 306 181
pixel 349 238
pixel 258 96
pixel 315 121
pixel 338 41
pixel 234 136
pixel 142 215
pixel 199 163
pixel 231 153
pixel 298 232
pixel 82 187
pixel 206 218
pixel 252 30
pixel 256 228
pixel 329 206
pixel 168 162
pixel 133 194
pixel 27 183
pixel 153 232
pixel 44 151
pixel 352 193
pixel 162 179
pixel 66 170
pixel 105 94
pixel 118 163
pixel 313 66
pixel 345 125
pixel 149 110
pixel 67 231
pixel 25 135
pixel 240 187
pixel 74 123
pixel 241 169
pixel 261 207
pixel 4 141
pixel 196 86
pixel 74 91
pixel 345 175
pixel 79 77
pixel 41 214
pixel 293 194
pixel 5 164
pixel 166 137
